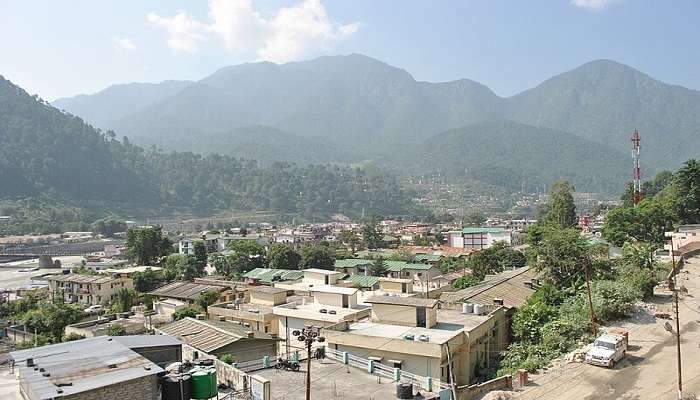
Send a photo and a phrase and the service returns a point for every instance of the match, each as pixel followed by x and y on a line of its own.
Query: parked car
pixel 608 349
pixel 96 309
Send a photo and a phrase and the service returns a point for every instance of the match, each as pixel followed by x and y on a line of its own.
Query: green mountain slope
pixel 605 101
pixel 267 145
pixel 116 102
pixel 53 156
pixel 506 153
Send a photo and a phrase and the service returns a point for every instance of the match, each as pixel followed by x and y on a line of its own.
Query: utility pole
pixel 309 335
pixel 678 323
pixel 590 301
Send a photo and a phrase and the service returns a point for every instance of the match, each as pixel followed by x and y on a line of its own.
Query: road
pixel 650 369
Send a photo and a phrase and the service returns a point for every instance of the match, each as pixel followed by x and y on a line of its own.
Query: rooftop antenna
pixel 637 174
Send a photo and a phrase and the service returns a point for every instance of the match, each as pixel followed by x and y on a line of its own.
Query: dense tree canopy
pixel 560 206
pixel 282 256
pixel 147 246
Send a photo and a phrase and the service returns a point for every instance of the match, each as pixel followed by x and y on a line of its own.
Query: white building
pixel 479 238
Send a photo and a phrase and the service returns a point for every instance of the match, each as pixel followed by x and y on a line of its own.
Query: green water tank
pixel 203 382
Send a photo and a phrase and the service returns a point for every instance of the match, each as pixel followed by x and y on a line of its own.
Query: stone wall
pixel 145 388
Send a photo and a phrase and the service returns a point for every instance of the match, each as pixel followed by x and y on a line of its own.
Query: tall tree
pixel 378 267
pixel 147 246
pixel 317 256
pixel 200 252
pixel 224 264
pixel 147 280
pixel 687 181
pixel 561 209
pixel 282 256
pixel 109 226
pixel 474 218
pixel 249 254
pixel 562 255
pixel 372 233
pixel 124 301
pixel 350 239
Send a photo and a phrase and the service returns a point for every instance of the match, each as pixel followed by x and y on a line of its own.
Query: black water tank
pixel 404 391
pixel 177 387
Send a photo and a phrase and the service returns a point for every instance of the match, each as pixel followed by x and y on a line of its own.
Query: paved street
pixel 649 370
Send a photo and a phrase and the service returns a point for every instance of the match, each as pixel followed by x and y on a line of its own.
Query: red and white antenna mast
pixel 637 181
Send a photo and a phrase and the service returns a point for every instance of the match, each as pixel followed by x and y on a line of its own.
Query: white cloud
pixel 591 4
pixel 288 33
pixel 184 33
pixel 123 44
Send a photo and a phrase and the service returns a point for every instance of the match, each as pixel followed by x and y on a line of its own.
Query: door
pixel 345 301
pixel 420 317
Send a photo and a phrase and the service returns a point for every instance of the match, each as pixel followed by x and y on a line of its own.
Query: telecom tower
pixel 637 182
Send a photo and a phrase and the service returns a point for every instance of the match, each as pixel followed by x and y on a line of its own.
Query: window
pixel 419 274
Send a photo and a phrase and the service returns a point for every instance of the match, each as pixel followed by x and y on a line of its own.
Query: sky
pixel 59 48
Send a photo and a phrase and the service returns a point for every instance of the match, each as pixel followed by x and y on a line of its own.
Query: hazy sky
pixel 61 48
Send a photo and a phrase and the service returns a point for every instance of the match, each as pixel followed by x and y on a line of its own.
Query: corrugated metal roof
pixel 427 257
pixel 398 266
pixel 185 290
pixel 362 280
pixel 352 262
pixel 200 334
pixel 80 278
pixel 269 275
pixel 509 285
pixel 80 366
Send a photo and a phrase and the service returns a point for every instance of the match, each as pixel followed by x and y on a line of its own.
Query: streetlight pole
pixel 678 323
pixel 309 334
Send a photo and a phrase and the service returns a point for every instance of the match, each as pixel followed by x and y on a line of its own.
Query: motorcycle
pixel 287 365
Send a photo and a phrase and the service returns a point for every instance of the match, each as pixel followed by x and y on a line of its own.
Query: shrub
pixel 228 359
pixel 529 319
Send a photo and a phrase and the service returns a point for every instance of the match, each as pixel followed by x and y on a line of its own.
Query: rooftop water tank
pixel 177 387
pixel 478 309
pixel 467 308
pixel 404 391
pixel 203 382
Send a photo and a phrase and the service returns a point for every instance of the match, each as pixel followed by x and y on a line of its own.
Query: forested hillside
pixel 506 153
pixel 372 110
pixel 48 155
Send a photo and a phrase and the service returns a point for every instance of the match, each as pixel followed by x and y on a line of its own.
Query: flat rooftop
pixel 331 380
pixel 468 321
pixel 312 311
pixel 440 333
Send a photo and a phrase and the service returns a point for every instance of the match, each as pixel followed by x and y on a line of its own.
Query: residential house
pixel 217 338
pixel 88 289
pixel 256 314
pixel 410 333
pixel 479 238
pixel 176 295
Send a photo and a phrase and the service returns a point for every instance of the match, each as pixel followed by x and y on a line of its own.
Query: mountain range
pixel 351 108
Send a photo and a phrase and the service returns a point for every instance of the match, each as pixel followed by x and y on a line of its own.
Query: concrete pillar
pixel 428 383
pixel 346 357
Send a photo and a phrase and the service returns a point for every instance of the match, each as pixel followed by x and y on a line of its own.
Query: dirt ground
pixel 650 369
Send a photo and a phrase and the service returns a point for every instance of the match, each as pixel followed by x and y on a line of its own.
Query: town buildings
pixel 88 289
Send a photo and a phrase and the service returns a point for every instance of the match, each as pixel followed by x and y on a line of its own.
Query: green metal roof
pixel 483 230
pixel 427 257
pixel 351 262
pixel 363 281
pixel 270 275
pixel 398 266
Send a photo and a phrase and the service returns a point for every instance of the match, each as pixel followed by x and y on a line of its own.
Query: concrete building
pixel 331 304
pixel 256 314
pixel 478 238
pixel 88 289
pixel 412 334
pixel 101 368
pixel 217 338
pixel 685 238
pixel 100 327
pixel 175 295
